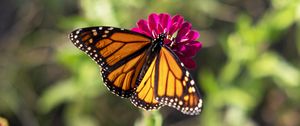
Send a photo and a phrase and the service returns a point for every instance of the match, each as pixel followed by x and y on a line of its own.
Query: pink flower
pixel 180 37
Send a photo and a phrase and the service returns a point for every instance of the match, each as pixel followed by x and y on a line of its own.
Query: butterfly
pixel 140 68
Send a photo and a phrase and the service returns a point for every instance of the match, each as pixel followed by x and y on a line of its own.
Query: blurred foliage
pixel 3 122
pixel 248 69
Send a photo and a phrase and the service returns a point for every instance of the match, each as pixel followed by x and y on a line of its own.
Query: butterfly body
pixel 140 68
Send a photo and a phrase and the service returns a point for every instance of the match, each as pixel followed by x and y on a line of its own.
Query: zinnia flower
pixel 180 37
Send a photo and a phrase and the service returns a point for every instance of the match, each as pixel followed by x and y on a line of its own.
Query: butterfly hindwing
pixel 174 85
pixel 120 53
pixel 144 96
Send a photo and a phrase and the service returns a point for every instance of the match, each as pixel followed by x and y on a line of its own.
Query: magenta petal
pixel 173 29
pixel 142 24
pixel 192 49
pixel 165 22
pixel 176 24
pixel 182 48
pixel 153 22
pixel 188 62
pixel 160 29
pixel 167 41
pixel 161 16
pixel 195 44
pixel 193 35
pixel 177 19
pixel 136 29
pixel 186 25
pixel 182 34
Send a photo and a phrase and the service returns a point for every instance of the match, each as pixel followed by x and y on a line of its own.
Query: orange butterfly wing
pixel 144 96
pixel 167 82
pixel 174 86
pixel 120 53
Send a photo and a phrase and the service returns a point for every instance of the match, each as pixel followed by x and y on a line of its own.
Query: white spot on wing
pixel 192 82
pixel 181 64
pixel 187 73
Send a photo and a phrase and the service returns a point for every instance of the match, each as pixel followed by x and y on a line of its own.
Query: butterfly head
pixel 161 37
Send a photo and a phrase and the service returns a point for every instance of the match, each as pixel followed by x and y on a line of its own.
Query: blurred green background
pixel 248 69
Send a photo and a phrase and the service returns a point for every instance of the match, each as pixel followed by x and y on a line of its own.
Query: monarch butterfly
pixel 140 68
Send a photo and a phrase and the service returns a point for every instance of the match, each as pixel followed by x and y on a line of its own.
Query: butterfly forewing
pixel 119 52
